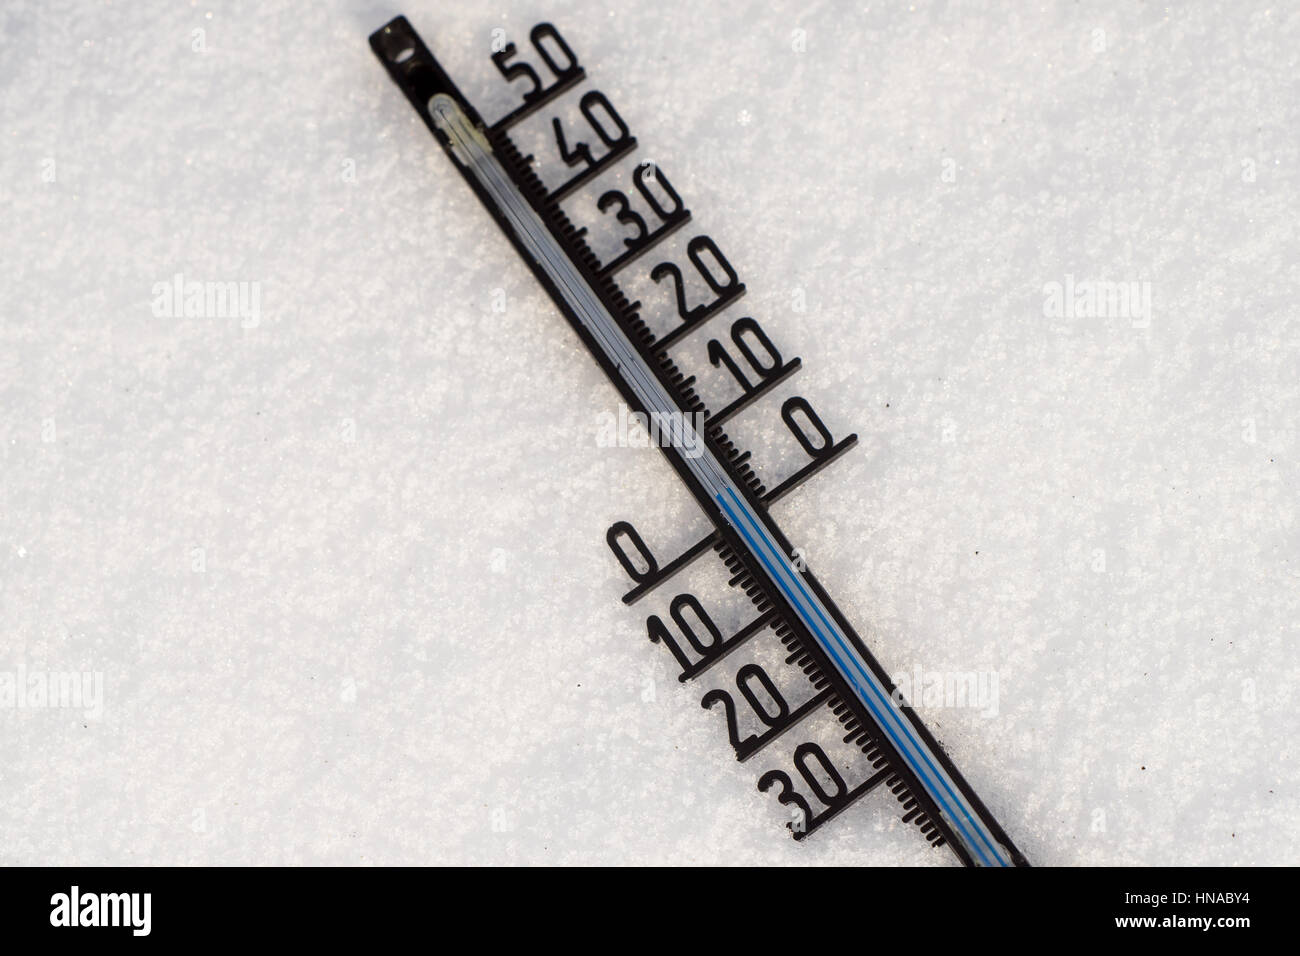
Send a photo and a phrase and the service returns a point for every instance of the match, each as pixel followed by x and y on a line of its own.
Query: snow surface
pixel 342 570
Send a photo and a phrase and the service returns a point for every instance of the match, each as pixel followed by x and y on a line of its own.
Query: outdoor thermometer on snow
pixel 819 701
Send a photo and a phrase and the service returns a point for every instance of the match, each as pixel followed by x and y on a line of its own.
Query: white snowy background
pixel 343 570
